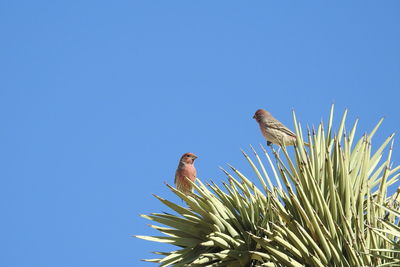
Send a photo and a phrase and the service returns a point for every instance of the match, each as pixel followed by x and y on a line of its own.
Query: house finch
pixel 185 169
pixel 273 130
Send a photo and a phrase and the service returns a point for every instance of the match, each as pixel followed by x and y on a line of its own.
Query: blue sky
pixel 99 99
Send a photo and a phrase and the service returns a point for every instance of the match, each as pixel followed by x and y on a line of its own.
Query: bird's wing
pixel 277 125
pixel 176 175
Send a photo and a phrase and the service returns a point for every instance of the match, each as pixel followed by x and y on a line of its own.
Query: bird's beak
pixel 195 157
pixel 254 116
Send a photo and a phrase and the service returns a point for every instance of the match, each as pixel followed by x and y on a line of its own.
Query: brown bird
pixel 273 130
pixel 185 169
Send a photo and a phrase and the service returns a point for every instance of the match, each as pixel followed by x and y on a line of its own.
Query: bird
pixel 273 130
pixel 185 169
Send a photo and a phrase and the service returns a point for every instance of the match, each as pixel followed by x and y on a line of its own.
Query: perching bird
pixel 185 169
pixel 273 130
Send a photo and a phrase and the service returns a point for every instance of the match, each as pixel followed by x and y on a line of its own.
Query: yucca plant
pixel 326 205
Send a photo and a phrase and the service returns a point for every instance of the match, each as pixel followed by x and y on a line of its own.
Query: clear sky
pixel 98 100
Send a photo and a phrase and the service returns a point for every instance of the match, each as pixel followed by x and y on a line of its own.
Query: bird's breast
pixel 188 171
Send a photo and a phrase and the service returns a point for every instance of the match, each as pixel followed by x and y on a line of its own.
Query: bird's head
pixel 188 158
pixel 261 114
